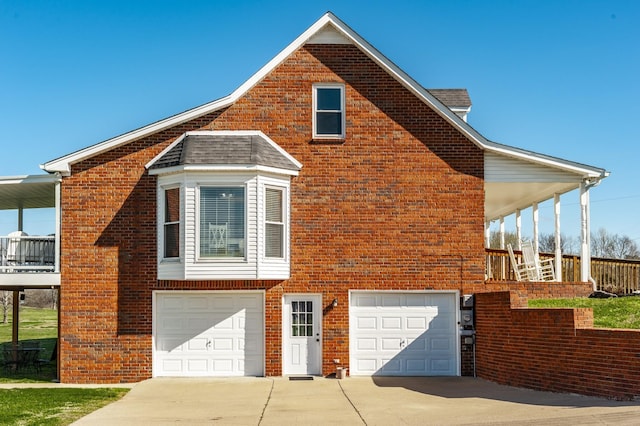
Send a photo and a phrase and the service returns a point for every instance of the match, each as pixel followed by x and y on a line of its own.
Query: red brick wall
pixel 554 349
pixel 397 205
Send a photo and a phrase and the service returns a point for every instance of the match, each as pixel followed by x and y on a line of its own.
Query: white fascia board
pixel 63 164
pixel 585 171
pixel 14 180
pixel 222 168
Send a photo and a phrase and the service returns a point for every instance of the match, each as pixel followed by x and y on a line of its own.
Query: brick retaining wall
pixel 553 349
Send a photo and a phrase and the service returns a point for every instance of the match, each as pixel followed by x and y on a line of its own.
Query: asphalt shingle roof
pixel 452 98
pixel 224 150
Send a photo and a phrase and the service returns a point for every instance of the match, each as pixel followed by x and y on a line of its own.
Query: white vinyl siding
pixel 500 168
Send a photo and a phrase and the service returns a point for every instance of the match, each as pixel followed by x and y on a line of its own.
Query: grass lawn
pixel 616 312
pixel 44 406
pixel 52 406
pixel 36 325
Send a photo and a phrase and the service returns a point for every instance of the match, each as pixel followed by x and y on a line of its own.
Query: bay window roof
pixel 226 149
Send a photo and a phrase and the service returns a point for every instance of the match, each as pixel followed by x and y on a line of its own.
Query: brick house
pixel 329 213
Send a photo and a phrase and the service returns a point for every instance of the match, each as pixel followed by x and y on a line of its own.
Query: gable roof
pixel 327 29
pixel 224 149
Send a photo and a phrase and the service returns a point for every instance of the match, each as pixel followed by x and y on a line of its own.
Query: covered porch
pixel 29 259
pixel 517 180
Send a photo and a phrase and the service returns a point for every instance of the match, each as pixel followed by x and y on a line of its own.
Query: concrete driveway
pixel 354 401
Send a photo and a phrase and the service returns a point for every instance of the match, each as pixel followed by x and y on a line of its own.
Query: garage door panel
pixel 392 300
pixel 393 323
pixel 419 344
pixel 417 323
pixel 213 335
pixel 367 323
pixel 440 344
pixel 402 334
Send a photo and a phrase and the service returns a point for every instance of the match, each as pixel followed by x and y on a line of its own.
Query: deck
pixel 620 276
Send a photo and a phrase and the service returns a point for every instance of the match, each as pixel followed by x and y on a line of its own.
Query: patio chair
pixel 544 269
pixel 9 358
pixel 524 271
pixel 16 248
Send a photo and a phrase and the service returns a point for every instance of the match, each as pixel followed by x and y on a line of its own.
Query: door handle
pixel 402 343
pixel 208 343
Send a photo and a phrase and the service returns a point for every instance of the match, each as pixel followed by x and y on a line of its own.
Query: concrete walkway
pixel 354 401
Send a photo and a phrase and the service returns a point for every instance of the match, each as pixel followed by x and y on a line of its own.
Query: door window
pixel 302 318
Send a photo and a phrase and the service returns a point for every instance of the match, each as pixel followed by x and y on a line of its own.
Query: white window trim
pixel 342 109
pixel 284 222
pixel 206 259
pixel 162 223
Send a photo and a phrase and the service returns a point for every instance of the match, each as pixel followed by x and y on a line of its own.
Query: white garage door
pixel 209 334
pixel 404 334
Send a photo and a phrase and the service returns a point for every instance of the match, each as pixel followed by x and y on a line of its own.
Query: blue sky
pixel 556 77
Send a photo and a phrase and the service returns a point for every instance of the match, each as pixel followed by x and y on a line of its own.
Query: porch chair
pixel 544 269
pixel 217 237
pixel 524 271
pixel 16 248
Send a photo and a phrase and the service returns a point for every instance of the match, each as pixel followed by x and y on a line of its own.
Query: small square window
pixel 328 111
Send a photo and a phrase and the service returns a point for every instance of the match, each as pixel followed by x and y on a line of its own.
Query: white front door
pixel 302 334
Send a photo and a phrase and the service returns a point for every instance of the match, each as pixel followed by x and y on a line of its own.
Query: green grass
pixel 52 406
pixel 44 406
pixel 36 325
pixel 616 312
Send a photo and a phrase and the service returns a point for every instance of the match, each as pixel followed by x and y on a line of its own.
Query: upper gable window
pixel 328 111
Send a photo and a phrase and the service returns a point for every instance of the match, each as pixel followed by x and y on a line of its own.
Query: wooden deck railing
pixel 619 276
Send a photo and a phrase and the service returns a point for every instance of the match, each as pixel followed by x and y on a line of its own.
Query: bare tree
pixel 509 238
pixel 5 301
pixel 568 245
pixel 614 246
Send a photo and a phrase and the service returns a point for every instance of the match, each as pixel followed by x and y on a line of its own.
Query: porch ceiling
pixel 504 198
pixel 27 192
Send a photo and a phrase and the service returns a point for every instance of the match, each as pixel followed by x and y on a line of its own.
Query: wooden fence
pixel 618 276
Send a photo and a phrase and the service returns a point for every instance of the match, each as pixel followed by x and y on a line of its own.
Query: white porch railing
pixel 27 254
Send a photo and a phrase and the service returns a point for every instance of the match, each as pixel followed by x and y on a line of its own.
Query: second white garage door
pixel 403 334
pixel 208 334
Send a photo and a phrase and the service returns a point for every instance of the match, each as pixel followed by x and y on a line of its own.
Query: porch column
pixel 20 217
pixel 15 321
pixel 502 246
pixel 519 229
pixel 585 233
pixel 487 234
pixel 534 207
pixel 56 267
pixel 558 242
